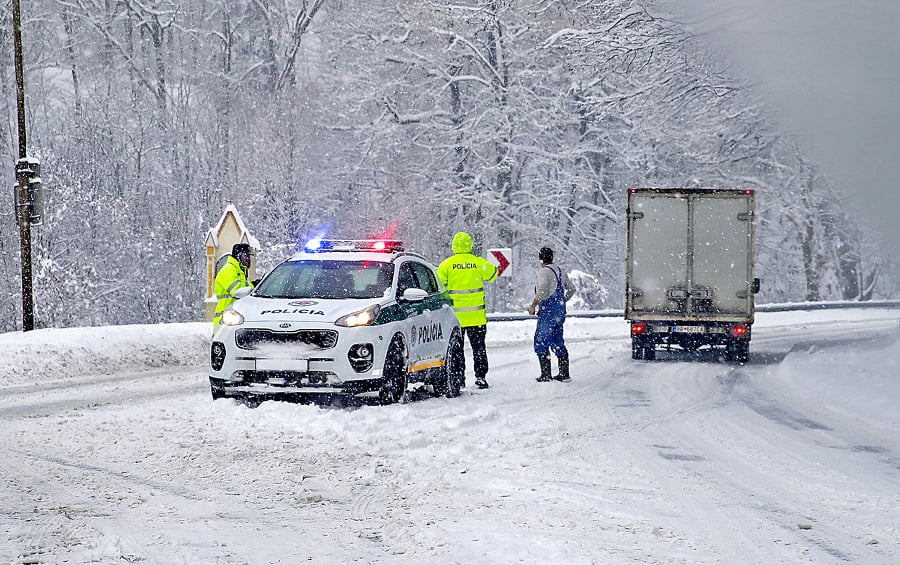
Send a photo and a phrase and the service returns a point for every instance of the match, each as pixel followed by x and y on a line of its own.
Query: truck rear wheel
pixel 742 351
pixel 737 351
pixel 642 350
pixel 637 350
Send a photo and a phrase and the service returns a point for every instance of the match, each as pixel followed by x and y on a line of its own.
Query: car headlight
pixel 364 317
pixel 232 318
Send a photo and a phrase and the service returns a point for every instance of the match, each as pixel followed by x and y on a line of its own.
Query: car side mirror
pixel 755 286
pixel 414 295
pixel 242 292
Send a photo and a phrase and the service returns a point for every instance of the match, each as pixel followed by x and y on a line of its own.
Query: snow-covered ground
pixel 112 451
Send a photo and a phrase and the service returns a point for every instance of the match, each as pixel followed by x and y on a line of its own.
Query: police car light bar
pixel 383 245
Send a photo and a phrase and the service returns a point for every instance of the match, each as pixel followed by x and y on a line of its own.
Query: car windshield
pixel 327 279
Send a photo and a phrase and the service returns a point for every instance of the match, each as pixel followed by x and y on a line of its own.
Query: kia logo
pixel 302 303
pixel 284 325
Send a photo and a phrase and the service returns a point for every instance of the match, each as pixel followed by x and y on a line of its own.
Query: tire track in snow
pixel 24 402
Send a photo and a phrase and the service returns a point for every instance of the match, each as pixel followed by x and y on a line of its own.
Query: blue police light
pixel 318 245
pixel 314 239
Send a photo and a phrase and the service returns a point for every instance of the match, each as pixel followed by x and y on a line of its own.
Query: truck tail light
pixel 638 328
pixel 739 331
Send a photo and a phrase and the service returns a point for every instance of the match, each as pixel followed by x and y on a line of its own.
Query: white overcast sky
pixel 832 69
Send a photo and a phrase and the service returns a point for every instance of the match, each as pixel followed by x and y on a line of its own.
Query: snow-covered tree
pixel 521 121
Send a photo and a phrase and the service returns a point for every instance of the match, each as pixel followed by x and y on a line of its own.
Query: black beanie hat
pixel 240 248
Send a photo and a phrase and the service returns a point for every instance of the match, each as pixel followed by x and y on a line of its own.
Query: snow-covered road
pixel 113 452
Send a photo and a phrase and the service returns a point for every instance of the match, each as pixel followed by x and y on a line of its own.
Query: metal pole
pixel 22 177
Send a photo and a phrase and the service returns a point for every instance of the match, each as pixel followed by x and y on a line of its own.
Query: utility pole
pixel 23 176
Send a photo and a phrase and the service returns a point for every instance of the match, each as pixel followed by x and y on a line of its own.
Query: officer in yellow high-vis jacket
pixel 464 275
pixel 232 276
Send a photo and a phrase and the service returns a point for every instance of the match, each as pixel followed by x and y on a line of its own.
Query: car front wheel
pixel 393 388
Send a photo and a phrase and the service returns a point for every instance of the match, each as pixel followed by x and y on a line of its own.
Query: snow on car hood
pixel 298 309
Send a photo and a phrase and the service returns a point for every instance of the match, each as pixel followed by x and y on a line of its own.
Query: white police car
pixel 354 317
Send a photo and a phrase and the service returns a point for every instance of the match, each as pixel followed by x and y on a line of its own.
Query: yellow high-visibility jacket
pixel 230 278
pixel 464 275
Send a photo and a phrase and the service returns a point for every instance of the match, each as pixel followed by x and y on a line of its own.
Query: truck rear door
pixel 721 261
pixel 657 252
pixel 689 254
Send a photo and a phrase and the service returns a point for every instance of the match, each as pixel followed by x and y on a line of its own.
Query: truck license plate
pixel 688 329
pixel 299 365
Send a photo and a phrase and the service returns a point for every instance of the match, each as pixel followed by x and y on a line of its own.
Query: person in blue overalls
pixel 551 292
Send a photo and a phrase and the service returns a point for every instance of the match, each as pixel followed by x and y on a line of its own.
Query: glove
pixel 256 282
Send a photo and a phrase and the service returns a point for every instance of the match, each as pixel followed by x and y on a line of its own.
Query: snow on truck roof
pixel 694 190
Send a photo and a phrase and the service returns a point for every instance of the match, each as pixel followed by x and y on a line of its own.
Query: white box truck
pixel 689 278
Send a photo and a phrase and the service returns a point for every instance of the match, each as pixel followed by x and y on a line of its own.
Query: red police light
pixel 388 245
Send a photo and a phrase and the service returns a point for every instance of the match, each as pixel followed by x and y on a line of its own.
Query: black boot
pixel 544 360
pixel 563 368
